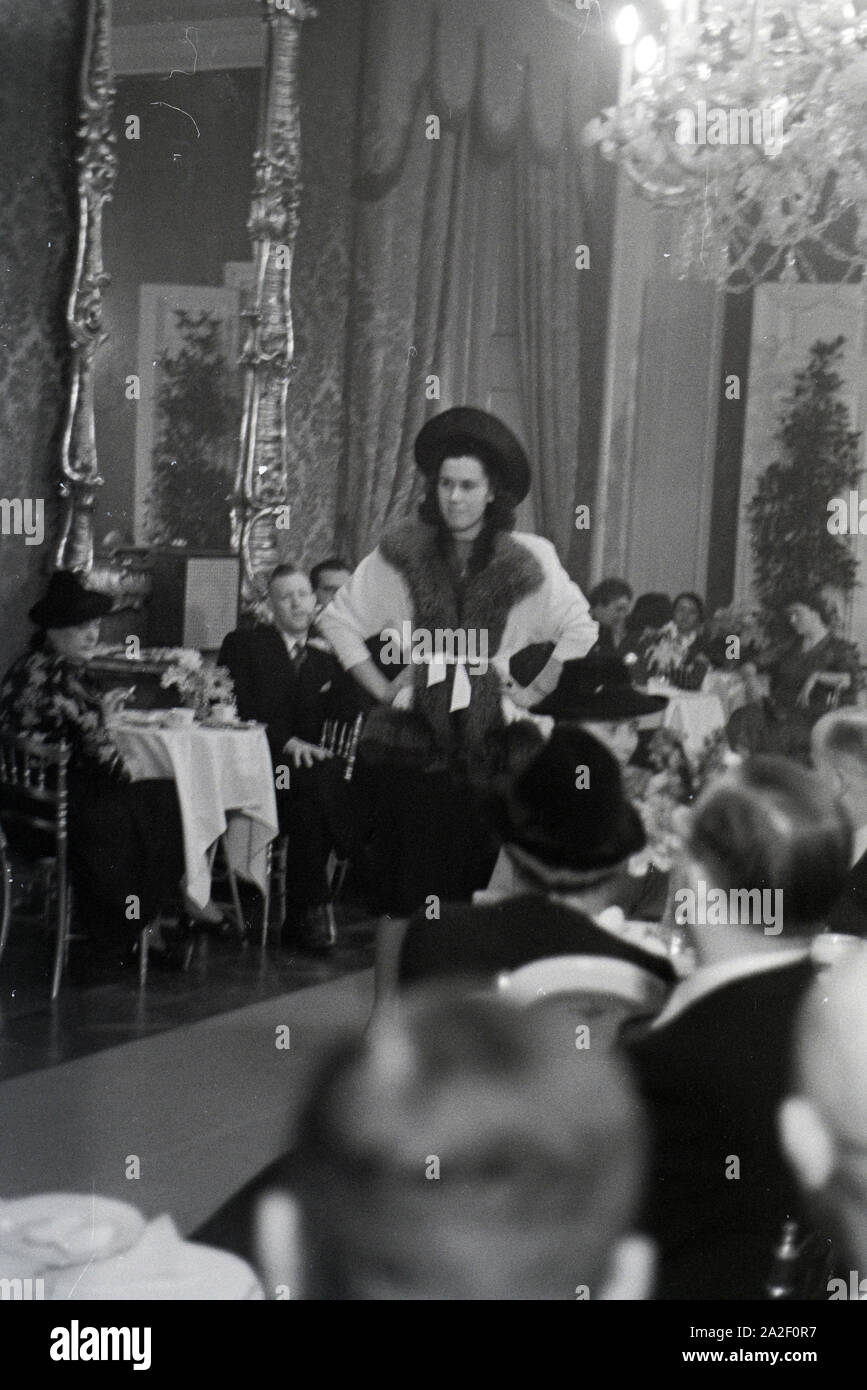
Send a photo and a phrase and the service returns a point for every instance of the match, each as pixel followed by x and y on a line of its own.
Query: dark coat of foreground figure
pixel 713 1078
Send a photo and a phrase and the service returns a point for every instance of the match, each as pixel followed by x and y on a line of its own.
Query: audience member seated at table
pixel 650 612
pixel 568 833
pixel 814 670
pixel 600 695
pixel 610 601
pixel 458 1151
pixel 326 579
pixel 714 1064
pixel 675 652
pixel 292 688
pixel 823 1122
pixel 839 748
pixel 124 839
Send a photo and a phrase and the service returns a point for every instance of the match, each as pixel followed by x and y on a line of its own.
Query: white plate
pixel 57 1229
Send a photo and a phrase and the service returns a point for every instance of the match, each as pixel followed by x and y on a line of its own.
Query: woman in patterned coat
pixel 125 840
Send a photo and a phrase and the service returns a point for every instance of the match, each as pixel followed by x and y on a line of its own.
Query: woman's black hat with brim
pixel 591 689
pixel 568 806
pixel 66 603
pixel 465 430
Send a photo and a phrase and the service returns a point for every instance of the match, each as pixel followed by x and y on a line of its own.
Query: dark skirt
pixel 419 834
pixel 126 855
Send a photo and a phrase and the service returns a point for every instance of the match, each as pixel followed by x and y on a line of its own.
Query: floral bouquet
pixel 659 793
pixel 202 687
pixel 671 656
pixel 742 623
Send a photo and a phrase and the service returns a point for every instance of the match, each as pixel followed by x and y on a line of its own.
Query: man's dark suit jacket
pixel 713 1079
pixel 849 913
pixel 292 704
pixel 502 936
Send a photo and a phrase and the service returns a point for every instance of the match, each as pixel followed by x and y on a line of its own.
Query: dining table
pixel 696 715
pixel 225 785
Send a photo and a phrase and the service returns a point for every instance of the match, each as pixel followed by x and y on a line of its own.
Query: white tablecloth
pixel 691 714
pixel 225 783
pixel 729 686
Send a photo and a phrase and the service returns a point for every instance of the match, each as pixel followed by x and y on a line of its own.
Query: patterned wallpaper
pixel 39 62
pixel 329 74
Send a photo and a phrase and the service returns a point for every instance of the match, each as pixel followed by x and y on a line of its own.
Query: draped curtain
pixel 506 183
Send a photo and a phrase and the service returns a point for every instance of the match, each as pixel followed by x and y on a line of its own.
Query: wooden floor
pixel 223 976
pixel 186 1074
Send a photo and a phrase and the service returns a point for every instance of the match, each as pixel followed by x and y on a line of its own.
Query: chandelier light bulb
pixel 627 22
pixel 646 54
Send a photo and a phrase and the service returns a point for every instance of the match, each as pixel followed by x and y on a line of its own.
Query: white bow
pixel 461 690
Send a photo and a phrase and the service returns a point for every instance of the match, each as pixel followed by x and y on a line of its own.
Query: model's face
pixel 75 643
pixel 613 614
pixel 292 603
pixel 686 616
pixel 619 736
pixel 328 583
pixel 463 493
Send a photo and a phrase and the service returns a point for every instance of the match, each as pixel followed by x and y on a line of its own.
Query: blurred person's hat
pixel 568 807
pixel 594 688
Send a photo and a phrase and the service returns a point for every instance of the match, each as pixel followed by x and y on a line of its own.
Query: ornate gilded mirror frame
pixel 260 511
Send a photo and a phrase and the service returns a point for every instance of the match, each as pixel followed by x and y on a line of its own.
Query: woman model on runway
pixel 427 626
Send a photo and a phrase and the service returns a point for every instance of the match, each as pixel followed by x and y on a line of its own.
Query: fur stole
pixel 428 735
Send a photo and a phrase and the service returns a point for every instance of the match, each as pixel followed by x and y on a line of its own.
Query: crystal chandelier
pixel 751 121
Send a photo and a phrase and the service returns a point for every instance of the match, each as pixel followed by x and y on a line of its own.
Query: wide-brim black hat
pixel 465 430
pixel 66 603
pixel 568 807
pixel 593 689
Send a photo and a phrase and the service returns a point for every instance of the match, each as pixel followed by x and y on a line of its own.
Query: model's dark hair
pixel 607 591
pixel 772 824
pixel 499 516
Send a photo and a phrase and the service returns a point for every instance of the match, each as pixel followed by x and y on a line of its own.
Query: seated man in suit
pixel 823 1123
pixel 457 1151
pixel 766 850
pixel 568 833
pixel 839 749
pixel 292 688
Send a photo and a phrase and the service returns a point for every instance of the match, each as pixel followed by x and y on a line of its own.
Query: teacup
pixel 223 714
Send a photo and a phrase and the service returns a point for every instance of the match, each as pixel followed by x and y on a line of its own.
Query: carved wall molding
pixel 260 515
pixel 97 168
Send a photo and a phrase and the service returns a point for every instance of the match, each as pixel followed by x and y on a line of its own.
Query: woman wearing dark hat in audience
pixel 676 650
pixel 439 727
pixel 125 840
pixel 568 848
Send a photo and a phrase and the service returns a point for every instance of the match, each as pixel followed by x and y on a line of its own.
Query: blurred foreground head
pixel 824 1123
pixel 771 824
pixel 466 1149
